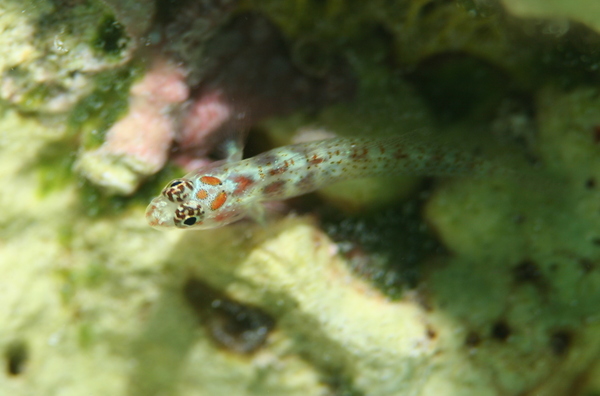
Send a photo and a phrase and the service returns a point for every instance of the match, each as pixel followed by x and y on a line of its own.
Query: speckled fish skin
pixel 222 193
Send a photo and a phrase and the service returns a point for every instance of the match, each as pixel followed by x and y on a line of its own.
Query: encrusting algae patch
pixel 497 293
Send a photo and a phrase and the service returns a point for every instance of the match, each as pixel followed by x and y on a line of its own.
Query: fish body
pixel 228 191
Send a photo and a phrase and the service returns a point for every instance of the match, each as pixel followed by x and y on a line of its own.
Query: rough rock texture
pixel 53 51
pixel 503 298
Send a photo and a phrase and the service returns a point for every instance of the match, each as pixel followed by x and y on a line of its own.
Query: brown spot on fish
pixel 274 188
pixel 400 154
pixel 279 170
pixel 243 182
pixel 315 160
pixel 307 183
pixel 359 153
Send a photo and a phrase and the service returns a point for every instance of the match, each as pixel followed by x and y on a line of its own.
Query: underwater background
pixel 482 282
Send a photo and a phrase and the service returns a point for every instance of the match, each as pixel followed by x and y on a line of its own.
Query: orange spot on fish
pixel 219 200
pixel 202 194
pixel 243 183
pixel 210 180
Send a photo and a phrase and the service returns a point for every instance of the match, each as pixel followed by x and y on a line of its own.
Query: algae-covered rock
pixel 584 11
pixel 523 281
pixel 53 52
pixel 498 295
pixel 572 118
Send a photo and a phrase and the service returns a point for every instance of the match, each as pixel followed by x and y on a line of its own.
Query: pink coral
pixel 245 76
pixel 146 133
pixel 138 144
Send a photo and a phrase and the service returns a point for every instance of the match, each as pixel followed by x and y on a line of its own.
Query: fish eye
pixel 188 214
pixel 178 190
pixel 190 221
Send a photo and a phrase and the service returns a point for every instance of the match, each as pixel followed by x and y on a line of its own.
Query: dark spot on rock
pixel 397 234
pixel 473 339
pixel 16 356
pixel 110 37
pixel 472 82
pixel 590 183
pixel 239 328
pixel 519 219
pixel 500 331
pixel 340 385
pixel 596 241
pixel 561 341
pixel 527 272
pixel 596 134
pixel 586 265
pixel 431 333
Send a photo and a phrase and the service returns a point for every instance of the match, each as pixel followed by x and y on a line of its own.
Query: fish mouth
pixel 158 214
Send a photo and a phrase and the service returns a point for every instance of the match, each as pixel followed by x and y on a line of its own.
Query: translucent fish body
pixel 226 192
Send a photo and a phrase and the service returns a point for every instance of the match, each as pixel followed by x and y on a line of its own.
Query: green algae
pixel 55 166
pixel 86 127
pixel 91 276
pixel 111 38
pixel 389 247
pixel 86 336
pixel 97 112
